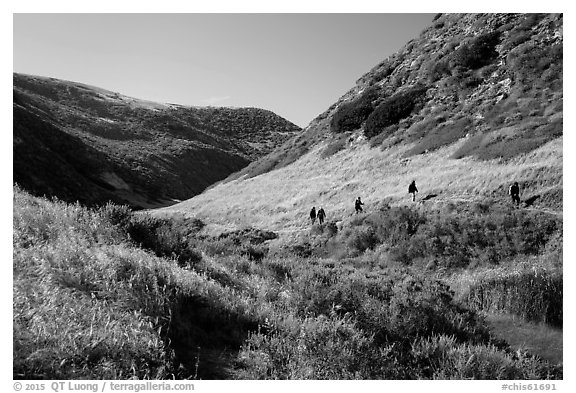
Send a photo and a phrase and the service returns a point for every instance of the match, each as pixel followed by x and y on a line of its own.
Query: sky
pixel 295 65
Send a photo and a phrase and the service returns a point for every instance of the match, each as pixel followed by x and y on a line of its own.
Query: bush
pixel 362 240
pixel 254 253
pixel 441 357
pixel 478 52
pixel 173 238
pixel 529 62
pixel 350 115
pixel 438 70
pixel 383 72
pixel 516 38
pixel 452 239
pixel 315 348
pixel 394 109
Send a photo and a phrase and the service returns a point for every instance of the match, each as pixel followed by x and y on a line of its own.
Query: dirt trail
pixel 466 198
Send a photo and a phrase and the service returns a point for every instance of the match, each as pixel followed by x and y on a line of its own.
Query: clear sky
pixel 295 65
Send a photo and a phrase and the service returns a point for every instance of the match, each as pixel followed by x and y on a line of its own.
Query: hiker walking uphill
pixel 413 190
pixel 321 214
pixel 313 214
pixel 514 192
pixel 358 205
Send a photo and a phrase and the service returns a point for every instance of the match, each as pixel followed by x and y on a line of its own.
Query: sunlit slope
pixel 281 199
pixel 465 109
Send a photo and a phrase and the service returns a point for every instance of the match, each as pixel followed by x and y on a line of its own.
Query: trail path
pixel 436 199
pixel 470 199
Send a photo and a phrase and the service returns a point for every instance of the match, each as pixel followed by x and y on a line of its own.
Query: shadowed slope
pixel 143 153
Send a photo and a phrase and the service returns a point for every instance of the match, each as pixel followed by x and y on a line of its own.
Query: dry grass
pixel 281 199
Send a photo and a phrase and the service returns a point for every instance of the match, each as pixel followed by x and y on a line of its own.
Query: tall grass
pixel 88 304
pixel 90 301
pixel 533 294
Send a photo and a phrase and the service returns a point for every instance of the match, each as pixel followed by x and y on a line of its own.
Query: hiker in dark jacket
pixel 413 190
pixel 313 214
pixel 358 205
pixel 514 192
pixel 321 215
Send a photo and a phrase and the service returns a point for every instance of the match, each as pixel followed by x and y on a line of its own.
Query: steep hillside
pixel 79 142
pixel 471 105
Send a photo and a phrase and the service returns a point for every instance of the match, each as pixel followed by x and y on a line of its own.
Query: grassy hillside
pixel 281 199
pixel 109 294
pixel 79 142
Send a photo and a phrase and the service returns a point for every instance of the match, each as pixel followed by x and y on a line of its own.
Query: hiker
pixel 514 192
pixel 413 190
pixel 321 215
pixel 313 214
pixel 358 205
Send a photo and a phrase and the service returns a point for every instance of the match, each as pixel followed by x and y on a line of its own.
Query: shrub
pixel 350 115
pixel 248 236
pixel 119 215
pixel 516 38
pixel 383 72
pixel 438 70
pixel 167 237
pixel 441 357
pixel 315 348
pixel 362 240
pixel 452 239
pixel 529 62
pixel 303 250
pixel 478 52
pixel 254 253
pixel 394 109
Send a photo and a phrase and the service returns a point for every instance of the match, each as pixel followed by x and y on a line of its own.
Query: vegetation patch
pixel 477 52
pixel 443 135
pixel 537 67
pixel 394 109
pixel 525 138
pixel 172 238
pixel 455 239
pixel 351 115
pixel 334 146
